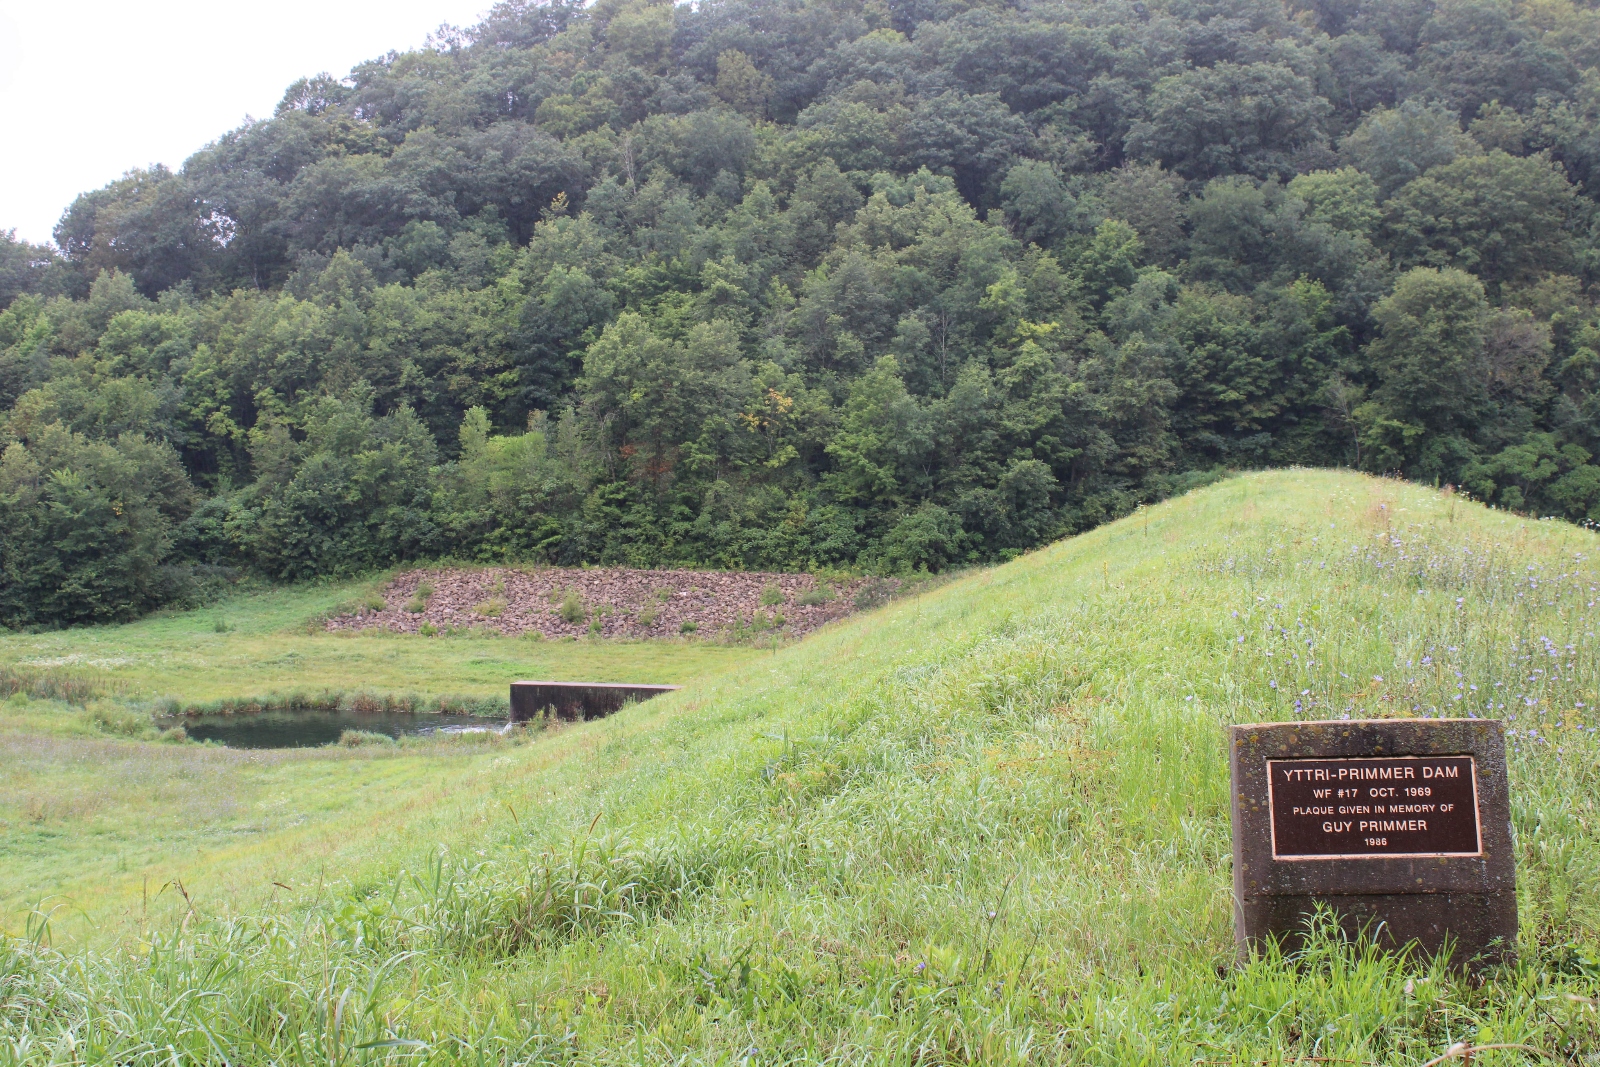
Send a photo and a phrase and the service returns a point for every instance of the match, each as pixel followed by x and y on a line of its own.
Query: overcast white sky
pixel 90 88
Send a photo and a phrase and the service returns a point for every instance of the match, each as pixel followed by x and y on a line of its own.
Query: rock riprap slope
pixel 613 602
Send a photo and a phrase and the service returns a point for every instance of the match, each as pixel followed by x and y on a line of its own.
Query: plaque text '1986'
pixel 1354 807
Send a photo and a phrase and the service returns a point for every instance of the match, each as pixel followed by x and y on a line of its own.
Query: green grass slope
pixel 988 824
pixel 92 827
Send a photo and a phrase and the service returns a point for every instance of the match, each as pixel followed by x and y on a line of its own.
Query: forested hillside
pixel 783 283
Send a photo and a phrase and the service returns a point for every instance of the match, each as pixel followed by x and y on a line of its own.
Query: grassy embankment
pixel 92 825
pixel 985 824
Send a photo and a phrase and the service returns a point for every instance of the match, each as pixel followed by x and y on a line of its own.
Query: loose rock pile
pixel 613 602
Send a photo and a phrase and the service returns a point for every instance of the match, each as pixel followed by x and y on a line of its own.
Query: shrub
pixel 374 602
pixel 816 596
pixel 689 626
pixel 573 609
pixel 360 738
pixel 175 735
pixel 221 626
pixel 929 538
pixel 119 721
pixel 771 594
pixel 427 629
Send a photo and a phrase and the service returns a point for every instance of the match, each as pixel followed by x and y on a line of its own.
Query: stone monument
pixel 1402 827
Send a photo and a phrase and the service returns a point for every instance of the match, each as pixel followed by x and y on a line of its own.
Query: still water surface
pixel 305 728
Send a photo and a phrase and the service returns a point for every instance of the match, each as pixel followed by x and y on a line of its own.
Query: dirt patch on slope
pixel 615 602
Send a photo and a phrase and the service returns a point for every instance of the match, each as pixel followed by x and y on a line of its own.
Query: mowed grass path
pixel 985 824
pixel 93 827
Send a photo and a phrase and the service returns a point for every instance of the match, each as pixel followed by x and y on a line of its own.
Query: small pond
pixel 307 728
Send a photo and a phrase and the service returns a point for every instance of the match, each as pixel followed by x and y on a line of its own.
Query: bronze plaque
pixel 1374 807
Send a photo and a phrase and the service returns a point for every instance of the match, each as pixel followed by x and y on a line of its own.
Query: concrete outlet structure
pixel 577 700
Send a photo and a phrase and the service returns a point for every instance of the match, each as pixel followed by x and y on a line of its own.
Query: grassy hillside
pixel 985 824
pixel 91 827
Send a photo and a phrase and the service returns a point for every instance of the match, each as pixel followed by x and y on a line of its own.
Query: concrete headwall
pixel 577 700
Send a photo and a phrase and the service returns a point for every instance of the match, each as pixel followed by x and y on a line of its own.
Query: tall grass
pixel 984 825
pixel 69 687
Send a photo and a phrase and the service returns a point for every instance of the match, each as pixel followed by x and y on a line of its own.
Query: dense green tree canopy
pixel 790 283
